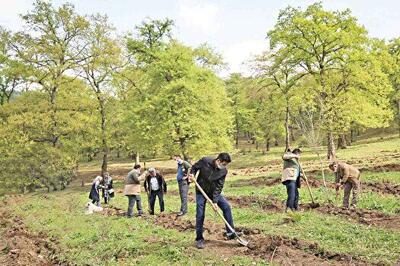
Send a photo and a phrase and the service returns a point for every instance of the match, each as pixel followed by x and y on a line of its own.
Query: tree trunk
pixel 322 168
pixel 292 138
pixel 137 158
pixel 276 143
pixel 237 133
pixel 342 143
pixel 268 144
pixel 105 148
pixel 54 137
pixel 331 147
pixel 287 137
pixel 352 135
pixel 398 115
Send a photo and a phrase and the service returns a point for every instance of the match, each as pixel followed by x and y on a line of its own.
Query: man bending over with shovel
pixel 347 176
pixel 211 179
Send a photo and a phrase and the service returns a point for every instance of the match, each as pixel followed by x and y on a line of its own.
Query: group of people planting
pixel 209 175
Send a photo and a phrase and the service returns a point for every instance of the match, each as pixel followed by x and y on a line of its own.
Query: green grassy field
pixel 101 239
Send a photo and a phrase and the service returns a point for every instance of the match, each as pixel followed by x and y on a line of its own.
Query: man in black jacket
pixel 155 186
pixel 211 179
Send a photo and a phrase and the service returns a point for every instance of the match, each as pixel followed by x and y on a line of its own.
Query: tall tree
pixel 51 46
pixel 322 41
pixel 278 70
pixel 12 72
pixel 394 50
pixel 102 59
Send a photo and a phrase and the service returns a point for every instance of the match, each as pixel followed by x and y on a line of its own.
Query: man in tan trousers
pixel 349 177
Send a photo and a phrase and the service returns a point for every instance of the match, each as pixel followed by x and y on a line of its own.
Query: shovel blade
pixel 242 241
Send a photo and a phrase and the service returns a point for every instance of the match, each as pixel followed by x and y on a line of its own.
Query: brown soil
pixel 382 187
pixel 392 167
pixel 269 203
pixel 261 180
pixel 368 217
pixel 19 246
pixel 280 250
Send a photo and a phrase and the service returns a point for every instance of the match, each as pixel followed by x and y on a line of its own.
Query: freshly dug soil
pixel 19 246
pixel 368 217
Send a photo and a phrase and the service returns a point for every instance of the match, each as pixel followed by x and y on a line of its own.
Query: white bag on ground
pixel 91 208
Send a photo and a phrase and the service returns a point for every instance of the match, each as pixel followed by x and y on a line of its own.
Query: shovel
pixel 241 241
pixel 313 204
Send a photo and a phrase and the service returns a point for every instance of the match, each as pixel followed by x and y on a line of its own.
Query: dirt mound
pixel 269 203
pixel 392 167
pixel 112 211
pixel 292 251
pixel 281 250
pixel 19 246
pixel 384 187
pixel 261 180
pixel 363 216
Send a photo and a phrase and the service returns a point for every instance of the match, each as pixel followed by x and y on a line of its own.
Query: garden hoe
pixel 313 204
pixel 241 241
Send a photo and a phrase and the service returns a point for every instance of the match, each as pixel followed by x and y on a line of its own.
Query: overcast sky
pixel 235 28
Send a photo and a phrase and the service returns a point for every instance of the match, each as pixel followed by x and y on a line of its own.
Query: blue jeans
pixel 200 213
pixel 292 201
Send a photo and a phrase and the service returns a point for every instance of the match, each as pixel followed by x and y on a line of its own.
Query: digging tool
pixel 314 205
pixel 241 241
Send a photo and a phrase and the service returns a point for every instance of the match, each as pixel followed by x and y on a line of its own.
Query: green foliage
pixel 182 106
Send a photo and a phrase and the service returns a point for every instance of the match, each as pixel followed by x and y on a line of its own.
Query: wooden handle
pixel 210 201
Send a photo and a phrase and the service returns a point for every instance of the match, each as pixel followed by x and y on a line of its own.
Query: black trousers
pixel 152 198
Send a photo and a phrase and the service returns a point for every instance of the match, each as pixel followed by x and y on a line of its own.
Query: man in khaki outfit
pixel 349 177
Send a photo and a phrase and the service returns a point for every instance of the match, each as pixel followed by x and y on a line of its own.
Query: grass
pixel 101 240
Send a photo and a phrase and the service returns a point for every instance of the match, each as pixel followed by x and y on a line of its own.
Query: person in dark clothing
pixel 108 190
pixel 211 179
pixel 183 182
pixel 291 178
pixel 94 194
pixel 155 186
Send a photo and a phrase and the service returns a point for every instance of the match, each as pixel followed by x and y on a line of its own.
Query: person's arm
pixel 289 156
pixel 164 184
pixel 337 177
pixel 196 167
pixel 219 184
pixel 186 167
pixel 142 176
pixel 346 174
pixel 145 185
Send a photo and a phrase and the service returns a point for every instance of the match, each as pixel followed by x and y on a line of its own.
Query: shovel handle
pixel 308 185
pixel 210 201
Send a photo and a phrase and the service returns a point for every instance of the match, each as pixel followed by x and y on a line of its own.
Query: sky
pixel 237 29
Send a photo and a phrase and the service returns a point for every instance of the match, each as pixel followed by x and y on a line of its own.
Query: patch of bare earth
pixel 20 246
pixel 277 249
pixel 379 187
pixel 363 216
